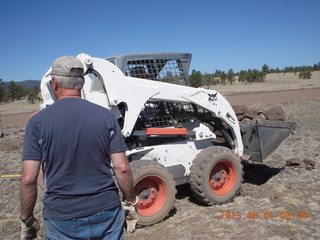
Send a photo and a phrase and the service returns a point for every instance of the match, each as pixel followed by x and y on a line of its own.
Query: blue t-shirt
pixel 74 139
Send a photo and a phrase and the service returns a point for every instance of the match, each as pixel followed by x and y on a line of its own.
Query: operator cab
pixel 164 67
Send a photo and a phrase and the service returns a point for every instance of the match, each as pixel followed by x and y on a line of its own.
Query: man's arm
pixel 123 175
pixel 28 187
pixel 124 179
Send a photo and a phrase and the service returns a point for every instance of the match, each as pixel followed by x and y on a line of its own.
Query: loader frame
pixel 175 133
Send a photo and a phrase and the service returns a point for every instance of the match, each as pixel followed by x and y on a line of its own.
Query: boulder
pixel 275 113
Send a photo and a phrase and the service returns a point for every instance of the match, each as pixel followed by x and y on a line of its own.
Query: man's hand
pixel 30 228
pixel 131 214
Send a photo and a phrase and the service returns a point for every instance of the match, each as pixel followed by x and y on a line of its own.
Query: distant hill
pixel 27 84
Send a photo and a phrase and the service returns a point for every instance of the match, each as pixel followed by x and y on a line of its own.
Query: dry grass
pixel 272 82
pixel 18 106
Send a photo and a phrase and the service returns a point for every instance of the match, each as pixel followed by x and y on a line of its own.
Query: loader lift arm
pixel 173 131
pixel 135 92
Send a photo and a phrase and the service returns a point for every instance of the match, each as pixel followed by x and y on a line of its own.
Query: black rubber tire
pixel 215 175
pixel 156 190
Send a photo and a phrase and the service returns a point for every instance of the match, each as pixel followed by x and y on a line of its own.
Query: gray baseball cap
pixel 67 66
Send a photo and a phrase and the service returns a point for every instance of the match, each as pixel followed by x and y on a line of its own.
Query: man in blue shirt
pixel 80 149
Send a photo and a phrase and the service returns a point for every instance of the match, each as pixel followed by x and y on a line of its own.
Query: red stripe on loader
pixel 166 131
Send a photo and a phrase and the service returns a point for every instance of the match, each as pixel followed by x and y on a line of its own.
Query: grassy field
pixel 272 82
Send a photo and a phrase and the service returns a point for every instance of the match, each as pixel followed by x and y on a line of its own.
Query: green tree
pixel 223 77
pixel 242 76
pixel 168 78
pixel 314 68
pixel 1 91
pixel 208 79
pixel 231 76
pixel 305 74
pixel 14 92
pixel 251 76
pixel 33 95
pixel 265 68
pixel 195 78
pixel 257 76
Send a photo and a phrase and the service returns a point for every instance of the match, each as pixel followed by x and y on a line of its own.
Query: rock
pixel 307 163
pixel 310 164
pixel 251 113
pixel 240 117
pixel 275 113
pixel 240 109
pixel 293 162
pixel 260 118
pixel 255 120
pixel 246 120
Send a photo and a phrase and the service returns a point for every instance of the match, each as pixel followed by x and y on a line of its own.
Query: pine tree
pixel 305 74
pixel 231 75
pixel 14 92
pixel 1 91
pixel 195 78
pixel 33 95
pixel 265 68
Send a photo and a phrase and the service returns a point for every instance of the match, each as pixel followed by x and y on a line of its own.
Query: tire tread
pixel 197 173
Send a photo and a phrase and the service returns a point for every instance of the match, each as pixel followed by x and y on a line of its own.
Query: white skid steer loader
pixel 175 134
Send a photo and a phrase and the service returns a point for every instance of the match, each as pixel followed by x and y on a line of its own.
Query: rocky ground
pixel 279 199
pixel 283 193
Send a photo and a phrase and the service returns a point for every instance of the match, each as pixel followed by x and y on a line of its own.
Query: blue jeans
pixel 102 225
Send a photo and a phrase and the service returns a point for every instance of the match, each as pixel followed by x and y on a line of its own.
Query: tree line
pixel 15 92
pixel 198 79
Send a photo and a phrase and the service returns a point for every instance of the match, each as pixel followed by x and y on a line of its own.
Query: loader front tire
pixel 156 190
pixel 215 175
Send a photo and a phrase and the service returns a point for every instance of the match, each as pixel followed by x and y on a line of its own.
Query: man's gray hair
pixel 70 82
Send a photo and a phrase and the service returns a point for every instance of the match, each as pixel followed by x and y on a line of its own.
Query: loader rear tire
pixel 156 190
pixel 215 175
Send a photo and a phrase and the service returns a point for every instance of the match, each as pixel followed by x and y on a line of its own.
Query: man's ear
pixel 54 84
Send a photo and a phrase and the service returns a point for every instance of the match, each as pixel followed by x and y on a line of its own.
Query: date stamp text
pixel 285 215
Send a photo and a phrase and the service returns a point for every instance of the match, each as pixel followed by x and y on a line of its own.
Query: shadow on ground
pixel 258 174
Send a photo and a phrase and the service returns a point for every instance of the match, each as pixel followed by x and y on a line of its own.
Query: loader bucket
pixel 263 138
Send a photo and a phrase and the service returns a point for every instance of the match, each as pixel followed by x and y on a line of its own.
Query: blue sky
pixel 220 34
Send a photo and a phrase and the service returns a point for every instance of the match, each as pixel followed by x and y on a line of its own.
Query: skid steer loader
pixel 175 134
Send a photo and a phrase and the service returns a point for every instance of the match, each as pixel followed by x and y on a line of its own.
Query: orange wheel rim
pixel 152 193
pixel 222 177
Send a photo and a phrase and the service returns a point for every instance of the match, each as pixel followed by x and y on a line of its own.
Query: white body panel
pixel 179 154
pixel 134 92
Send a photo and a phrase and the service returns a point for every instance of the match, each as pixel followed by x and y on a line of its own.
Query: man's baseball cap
pixel 67 66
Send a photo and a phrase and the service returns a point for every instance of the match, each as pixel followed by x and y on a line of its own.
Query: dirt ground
pixel 278 200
